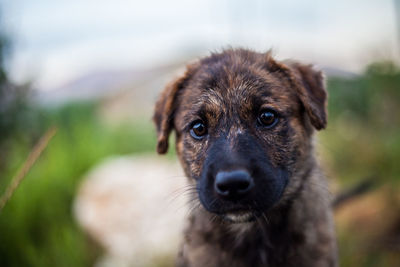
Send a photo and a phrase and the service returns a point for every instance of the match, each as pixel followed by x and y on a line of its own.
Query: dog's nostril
pixel 243 185
pixel 222 187
pixel 233 183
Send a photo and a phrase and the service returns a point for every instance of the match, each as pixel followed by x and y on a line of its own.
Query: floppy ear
pixel 309 86
pixel 165 108
pixel 312 93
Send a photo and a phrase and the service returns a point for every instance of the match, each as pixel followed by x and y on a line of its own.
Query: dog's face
pixel 243 124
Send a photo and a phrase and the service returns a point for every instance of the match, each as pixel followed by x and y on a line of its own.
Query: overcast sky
pixel 56 41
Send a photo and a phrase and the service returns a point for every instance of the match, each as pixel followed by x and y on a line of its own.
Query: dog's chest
pixel 259 245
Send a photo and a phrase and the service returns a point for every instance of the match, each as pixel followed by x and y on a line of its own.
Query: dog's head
pixel 243 124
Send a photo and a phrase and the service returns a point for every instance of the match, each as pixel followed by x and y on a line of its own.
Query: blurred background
pixel 93 69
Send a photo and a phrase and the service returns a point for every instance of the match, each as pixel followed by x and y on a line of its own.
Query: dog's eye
pixel 267 118
pixel 198 130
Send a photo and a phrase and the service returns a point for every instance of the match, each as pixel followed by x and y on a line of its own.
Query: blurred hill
pixel 129 94
pixel 98 84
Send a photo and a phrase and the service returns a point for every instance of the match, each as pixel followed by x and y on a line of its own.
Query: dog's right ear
pixel 165 108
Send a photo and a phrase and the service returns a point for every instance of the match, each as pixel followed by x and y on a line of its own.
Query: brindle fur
pixel 293 225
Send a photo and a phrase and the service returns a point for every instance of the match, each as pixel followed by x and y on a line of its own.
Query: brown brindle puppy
pixel 244 126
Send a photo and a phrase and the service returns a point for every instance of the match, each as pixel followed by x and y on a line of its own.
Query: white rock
pixel 135 207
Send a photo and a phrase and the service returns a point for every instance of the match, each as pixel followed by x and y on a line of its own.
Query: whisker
pixel 184 190
pixel 265 217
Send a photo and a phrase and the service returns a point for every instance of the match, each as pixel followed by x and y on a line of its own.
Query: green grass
pixel 363 141
pixel 36 226
pixel 363 135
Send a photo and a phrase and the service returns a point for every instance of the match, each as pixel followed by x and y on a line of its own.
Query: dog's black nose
pixel 233 184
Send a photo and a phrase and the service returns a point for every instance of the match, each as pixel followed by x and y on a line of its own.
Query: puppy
pixel 244 125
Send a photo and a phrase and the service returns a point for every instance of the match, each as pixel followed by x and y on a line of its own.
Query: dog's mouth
pixel 239 217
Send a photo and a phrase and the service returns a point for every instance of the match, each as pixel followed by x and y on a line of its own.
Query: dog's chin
pixel 239 217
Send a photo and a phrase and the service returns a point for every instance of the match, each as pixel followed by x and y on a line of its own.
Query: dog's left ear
pixel 165 108
pixel 309 86
pixel 311 91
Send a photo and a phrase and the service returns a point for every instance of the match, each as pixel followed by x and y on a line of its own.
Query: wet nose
pixel 233 184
